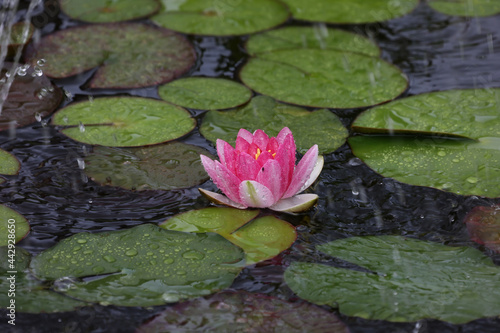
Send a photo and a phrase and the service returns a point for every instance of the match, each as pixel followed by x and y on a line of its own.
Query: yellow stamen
pixel 273 154
pixel 258 153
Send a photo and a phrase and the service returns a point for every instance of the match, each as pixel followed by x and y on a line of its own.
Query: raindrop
pixel 170 298
pixel 38 117
pixel 81 163
pixel 98 269
pixel 131 252
pixel 192 254
pixel 441 153
pixel 81 241
pixel 37 71
pixel 22 70
pixel 109 258
pixel 41 62
pixel 81 126
pixel 64 284
pixel 168 261
pixel 42 93
pixel 472 180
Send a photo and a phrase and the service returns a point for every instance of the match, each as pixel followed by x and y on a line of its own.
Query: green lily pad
pixel 409 280
pixel 161 167
pixel 100 11
pixel 350 11
pixel 205 93
pixel 483 224
pixel 221 18
pixel 18 39
pixel 458 128
pixel 261 239
pixel 124 121
pixel 466 7
pixel 129 55
pixel 324 78
pixel 31 97
pixel 141 266
pixel 224 312
pixel 265 113
pixel 12 223
pixel 310 37
pixel 9 165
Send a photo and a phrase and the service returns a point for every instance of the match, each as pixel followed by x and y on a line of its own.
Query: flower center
pixel 260 152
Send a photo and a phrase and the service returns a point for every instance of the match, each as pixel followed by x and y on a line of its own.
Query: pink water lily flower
pixel 261 172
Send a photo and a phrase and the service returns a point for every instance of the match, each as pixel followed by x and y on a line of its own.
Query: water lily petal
pixel 231 158
pixel 295 204
pixel 314 174
pixel 302 172
pixel 270 176
pixel 247 168
pixel 226 181
pixel 260 138
pixel 220 199
pixel 264 157
pixel 272 145
pixel 254 194
pixel 241 144
pixel 285 131
pixel 209 166
pixel 286 158
pixel 220 150
pixel 246 135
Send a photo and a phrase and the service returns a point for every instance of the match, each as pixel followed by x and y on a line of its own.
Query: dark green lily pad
pixel 457 143
pixel 161 167
pixel 324 78
pixel 261 239
pixel 205 93
pixel 12 223
pixel 350 11
pixel 244 312
pixel 141 266
pixel 124 121
pixel 317 37
pixel 408 280
pixel 466 7
pixel 31 97
pixel 100 11
pixel 221 18
pixel 9 165
pixel 483 224
pixel 129 55
pixel 265 113
pixel 18 39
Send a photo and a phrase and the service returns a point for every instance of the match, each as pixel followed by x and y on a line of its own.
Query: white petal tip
pixel 298 203
pixel 220 199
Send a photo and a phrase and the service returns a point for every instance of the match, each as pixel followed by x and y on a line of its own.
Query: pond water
pixel 435 51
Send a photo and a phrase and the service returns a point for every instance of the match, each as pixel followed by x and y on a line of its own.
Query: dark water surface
pixel 437 52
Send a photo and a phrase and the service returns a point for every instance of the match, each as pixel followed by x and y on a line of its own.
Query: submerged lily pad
pixel 457 128
pixel 9 165
pixel 224 312
pixel 221 18
pixel 129 55
pixel 350 11
pixel 31 97
pixel 265 113
pixel 161 167
pixel 317 37
pixel 205 93
pixel 324 78
pixel 18 37
pixel 124 121
pixel 466 7
pixel 141 266
pixel 483 224
pixel 10 220
pixel 407 280
pixel 261 239
pixel 100 11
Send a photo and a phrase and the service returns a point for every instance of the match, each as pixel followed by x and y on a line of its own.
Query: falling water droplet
pixel 81 126
pixel 38 117
pixel 81 163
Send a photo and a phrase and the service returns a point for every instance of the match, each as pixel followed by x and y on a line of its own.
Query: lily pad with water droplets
pixel 31 97
pixel 161 167
pixel 470 8
pixel 124 121
pixel 350 11
pixel 324 78
pixel 101 11
pixel 483 224
pixel 141 266
pixel 9 165
pixel 205 93
pixel 265 113
pixel 128 55
pixel 221 18
pixel 317 37
pixel 13 226
pixel 401 280
pixel 244 312
pixel 455 145
pixel 261 239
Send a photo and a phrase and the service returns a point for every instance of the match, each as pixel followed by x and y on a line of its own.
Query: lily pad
pixel 9 165
pixel 265 113
pixel 124 121
pixel 100 11
pixel 12 223
pixel 483 224
pixel 129 55
pixel 162 167
pixel 221 18
pixel 407 280
pixel 244 312
pixel 350 11
pixel 317 37
pixel 17 37
pixel 31 97
pixel 459 128
pixel 466 7
pixel 261 239
pixel 324 78
pixel 141 266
